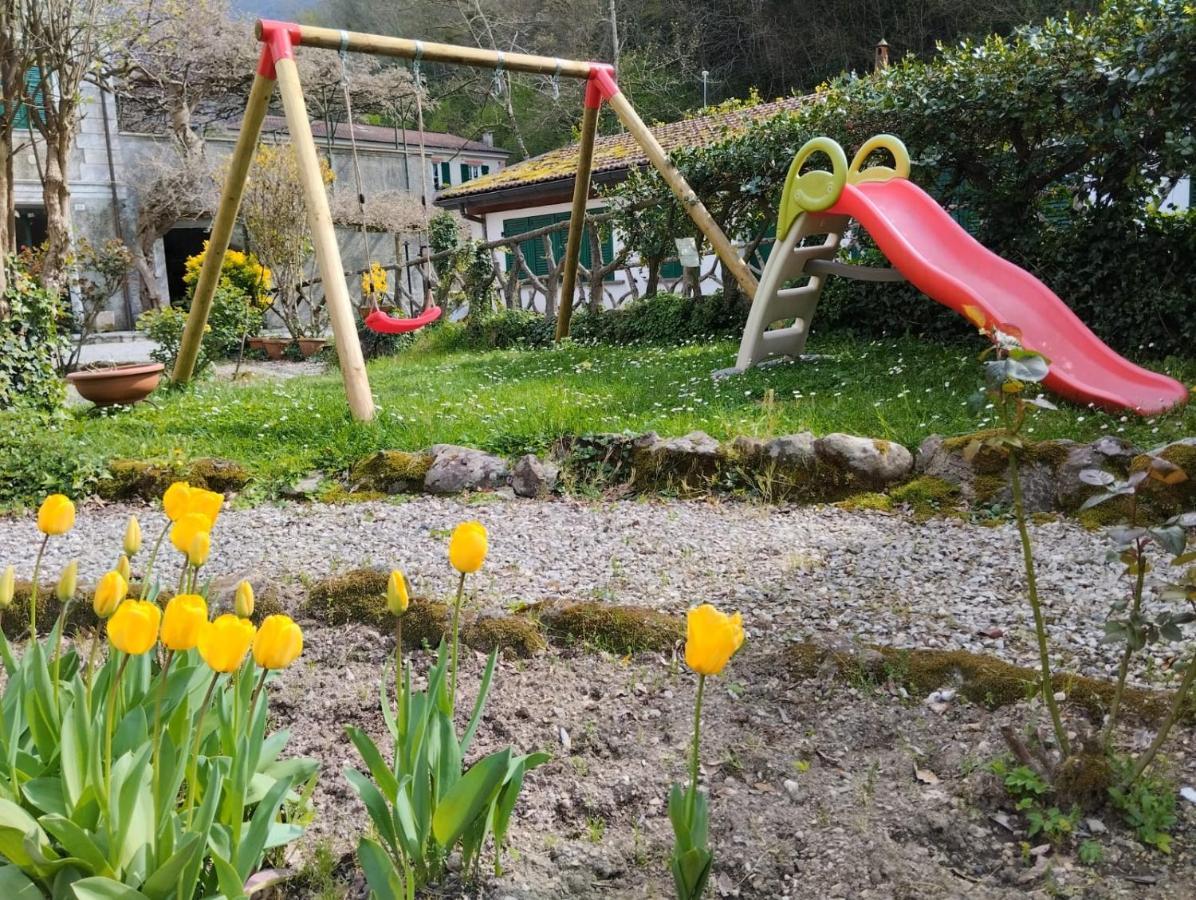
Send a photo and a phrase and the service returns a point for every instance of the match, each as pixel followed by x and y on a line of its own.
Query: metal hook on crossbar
pixel 419 54
pixel 496 87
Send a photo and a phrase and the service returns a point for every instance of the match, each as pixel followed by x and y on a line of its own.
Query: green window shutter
pixel 512 227
pixel 485 170
pixel 464 172
pixel 33 89
pixel 446 174
pixel 672 269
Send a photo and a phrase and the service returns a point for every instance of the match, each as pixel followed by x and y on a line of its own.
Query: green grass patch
pixel 517 401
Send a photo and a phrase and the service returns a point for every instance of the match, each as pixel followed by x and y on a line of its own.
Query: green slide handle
pixel 899 169
pixel 816 190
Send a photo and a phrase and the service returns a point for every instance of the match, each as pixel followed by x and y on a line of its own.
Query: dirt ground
pixel 818 788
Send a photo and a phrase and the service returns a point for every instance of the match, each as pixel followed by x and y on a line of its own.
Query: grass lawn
pixel 516 401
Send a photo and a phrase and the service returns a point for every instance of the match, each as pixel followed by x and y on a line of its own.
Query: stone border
pixel 860 472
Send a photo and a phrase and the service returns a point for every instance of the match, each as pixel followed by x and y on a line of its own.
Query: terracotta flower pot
pixel 256 343
pixel 274 347
pixel 117 385
pixel 311 346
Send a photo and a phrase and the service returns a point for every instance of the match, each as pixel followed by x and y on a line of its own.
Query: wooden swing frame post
pixel 278 64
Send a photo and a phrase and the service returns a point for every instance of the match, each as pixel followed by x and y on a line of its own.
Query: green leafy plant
pixel 425 802
pixel 1147 804
pixel 31 342
pixel 232 316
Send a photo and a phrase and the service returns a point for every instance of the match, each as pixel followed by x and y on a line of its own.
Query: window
pixel 470 171
pixel 33 88
pixel 442 175
pixel 533 249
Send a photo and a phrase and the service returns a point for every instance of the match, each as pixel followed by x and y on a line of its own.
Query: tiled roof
pixel 620 151
pixel 381 134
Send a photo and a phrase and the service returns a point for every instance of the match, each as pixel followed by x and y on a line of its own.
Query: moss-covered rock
pixel 515 636
pixel 337 494
pixel 683 465
pixel 390 472
pixel 358 595
pixel 927 496
pixel 16 617
pixel 1084 780
pixel 869 500
pixel 1159 499
pixel 618 629
pixel 132 479
pixel 426 624
pixel 982 679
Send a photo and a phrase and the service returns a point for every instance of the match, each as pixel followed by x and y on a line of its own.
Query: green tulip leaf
pixel 380 873
pixel 466 799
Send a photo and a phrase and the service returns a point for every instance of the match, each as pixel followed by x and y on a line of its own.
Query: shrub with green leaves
pixel 232 316
pixel 31 343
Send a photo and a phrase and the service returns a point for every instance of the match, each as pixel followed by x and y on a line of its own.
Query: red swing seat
pixel 381 323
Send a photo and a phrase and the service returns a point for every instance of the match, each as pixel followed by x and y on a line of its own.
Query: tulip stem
pixel 456 636
pixel 110 725
pixel 693 760
pixel 399 672
pixel 149 567
pixel 261 683
pixel 157 751
pixel 193 775
pixel 91 659
pixel 37 568
pixel 61 627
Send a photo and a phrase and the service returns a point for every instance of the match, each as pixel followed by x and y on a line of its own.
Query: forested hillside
pixel 662 48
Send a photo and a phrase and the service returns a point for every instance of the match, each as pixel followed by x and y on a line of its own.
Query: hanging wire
pixel 496 86
pixel 556 80
pixel 365 238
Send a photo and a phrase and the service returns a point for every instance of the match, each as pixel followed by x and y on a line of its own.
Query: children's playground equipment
pixel 930 250
pixel 279 40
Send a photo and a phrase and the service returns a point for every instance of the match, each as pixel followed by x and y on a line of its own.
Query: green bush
pixel 37 459
pixel 231 317
pixel 30 344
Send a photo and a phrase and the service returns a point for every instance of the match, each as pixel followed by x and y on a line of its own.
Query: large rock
pixel 455 469
pixel 794 450
pixel 685 464
pixel 1110 454
pixel 533 478
pixel 871 462
pixel 390 472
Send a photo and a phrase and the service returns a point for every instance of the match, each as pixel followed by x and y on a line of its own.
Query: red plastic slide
pixel 939 258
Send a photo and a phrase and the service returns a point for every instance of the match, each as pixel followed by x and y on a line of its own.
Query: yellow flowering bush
pixel 154 751
pixel 240 270
pixel 374 283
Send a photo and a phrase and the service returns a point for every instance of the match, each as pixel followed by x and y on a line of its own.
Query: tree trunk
pixel 654 264
pixel 56 197
pixel 7 236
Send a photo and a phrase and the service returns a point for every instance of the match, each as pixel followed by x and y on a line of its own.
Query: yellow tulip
pixel 224 642
pixel 711 639
pixel 132 537
pixel 243 601
pixel 468 546
pixel 125 569
pixel 133 628
pixel 56 515
pixel 8 587
pixel 68 582
pixel 110 593
pixel 206 503
pixel 185 615
pixel 201 546
pixel 397 599
pixel 184 530
pixel 278 643
pixel 175 500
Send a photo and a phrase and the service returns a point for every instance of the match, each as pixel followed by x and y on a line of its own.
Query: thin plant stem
pixel 456 636
pixel 91 659
pixel 261 683
pixel 399 672
pixel 193 759
pixel 60 628
pixel 1044 657
pixel 157 746
pixel 1123 668
pixel 693 759
pixel 37 568
pixel 149 568
pixel 1165 729
pixel 109 725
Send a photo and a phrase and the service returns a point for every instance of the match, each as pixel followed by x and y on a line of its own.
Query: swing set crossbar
pixel 277 65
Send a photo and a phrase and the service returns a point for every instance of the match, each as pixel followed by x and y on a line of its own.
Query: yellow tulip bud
pixel 224 642
pixel 56 515
pixel 201 546
pixel 8 587
pixel 125 569
pixel 110 593
pixel 711 639
pixel 468 547
pixel 132 537
pixel 278 643
pixel 183 531
pixel 133 628
pixel 68 582
pixel 243 601
pixel 397 599
pixel 175 500
pixel 185 615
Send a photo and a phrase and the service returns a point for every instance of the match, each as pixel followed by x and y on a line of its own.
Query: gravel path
pixel 799 572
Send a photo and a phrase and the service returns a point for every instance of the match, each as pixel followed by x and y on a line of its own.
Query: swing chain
pixel 496 86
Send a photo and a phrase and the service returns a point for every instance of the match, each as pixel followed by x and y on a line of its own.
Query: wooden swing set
pixel 277 63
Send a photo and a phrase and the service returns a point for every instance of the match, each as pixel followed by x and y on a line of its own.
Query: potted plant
pixel 116 384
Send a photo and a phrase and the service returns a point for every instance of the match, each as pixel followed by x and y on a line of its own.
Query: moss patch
pixel 131 479
pixel 358 595
pixel 426 624
pixel 337 494
pixel 984 680
pixel 1084 780
pixel 619 629
pixel 927 496
pixel 390 472
pixel 515 636
pixel 16 617
pixel 869 500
